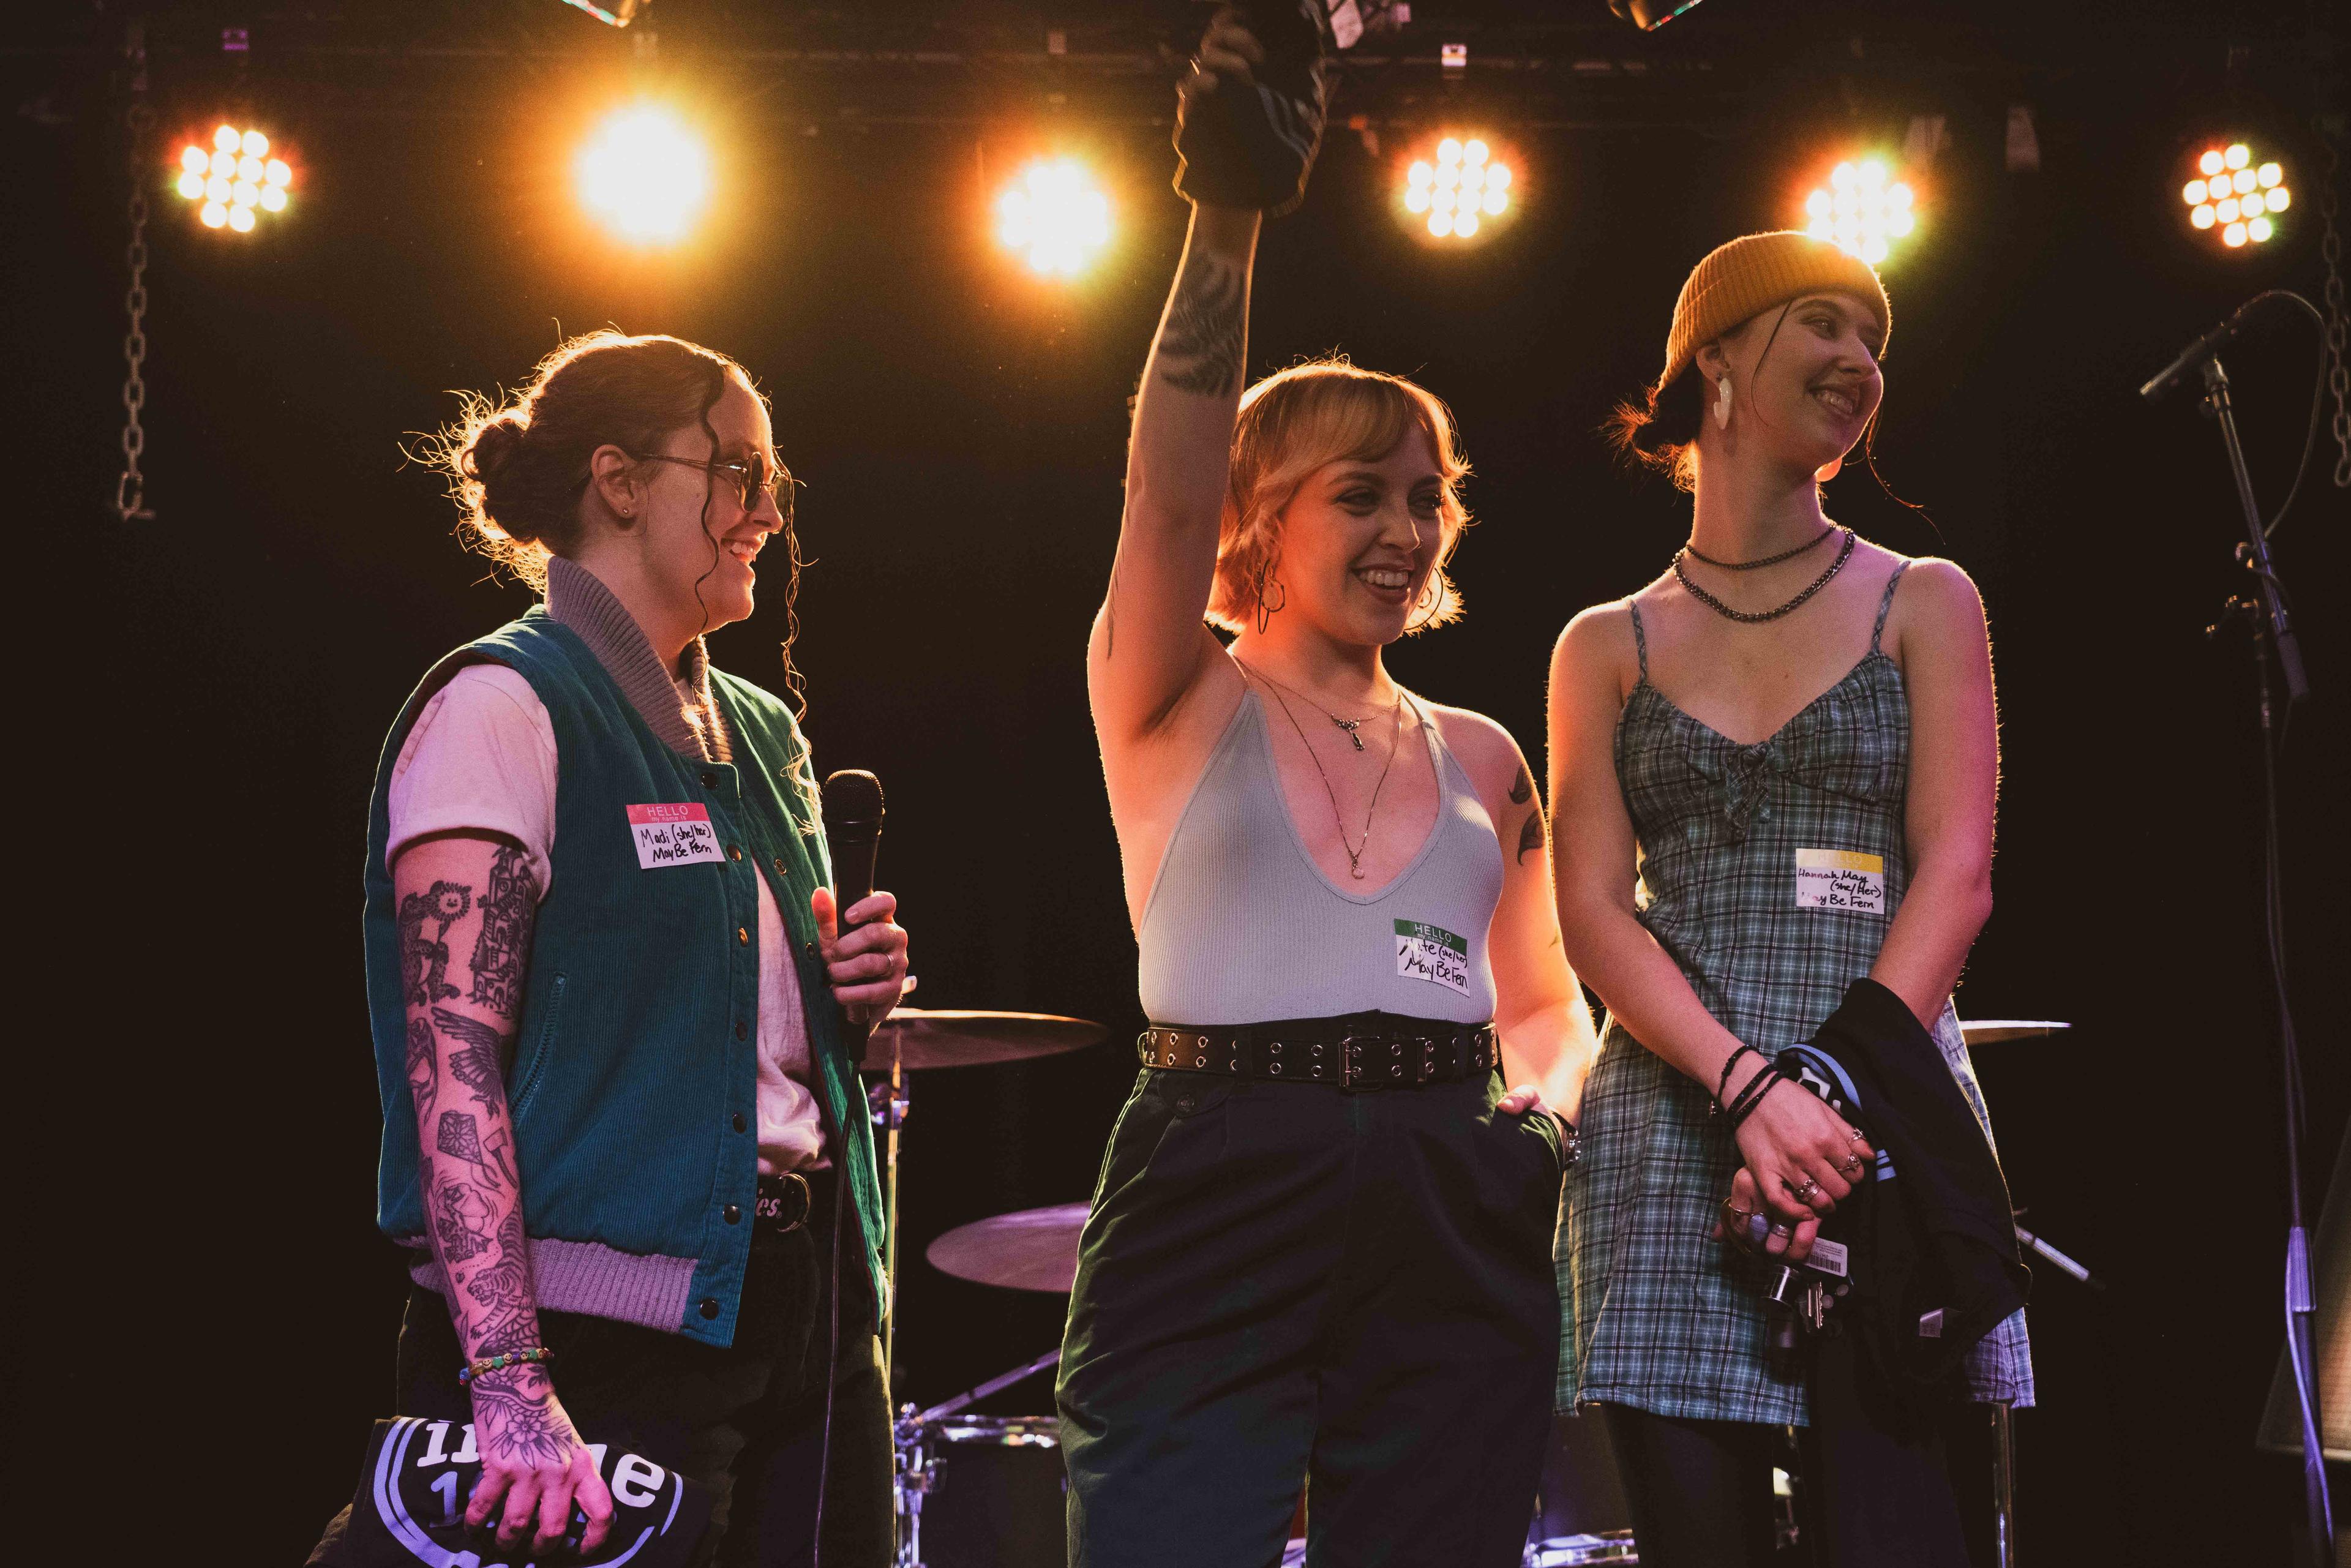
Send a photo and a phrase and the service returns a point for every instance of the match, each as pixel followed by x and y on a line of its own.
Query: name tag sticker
pixel 1433 954
pixel 673 833
pixel 1840 879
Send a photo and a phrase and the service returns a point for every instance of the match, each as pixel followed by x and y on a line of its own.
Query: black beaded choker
pixel 1767 560
pixel 1751 617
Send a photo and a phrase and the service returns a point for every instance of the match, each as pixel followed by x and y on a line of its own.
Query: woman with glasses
pixel 623 1139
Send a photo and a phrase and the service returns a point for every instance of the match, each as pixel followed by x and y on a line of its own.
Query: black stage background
pixel 199 1122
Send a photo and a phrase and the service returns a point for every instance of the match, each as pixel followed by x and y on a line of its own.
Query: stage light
pixel 644 175
pixel 1054 215
pixel 2237 194
pixel 1863 209
pixel 1455 189
pixel 232 180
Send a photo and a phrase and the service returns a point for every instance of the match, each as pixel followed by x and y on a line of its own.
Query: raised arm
pixel 1149 647
pixel 1149 644
pixel 1946 657
pixel 467 902
pixel 1792 1137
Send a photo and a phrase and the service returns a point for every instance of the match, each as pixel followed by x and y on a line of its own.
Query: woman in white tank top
pixel 1337 888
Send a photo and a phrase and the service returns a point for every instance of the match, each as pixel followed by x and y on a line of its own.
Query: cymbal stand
pixel 911 1461
pixel 888 1103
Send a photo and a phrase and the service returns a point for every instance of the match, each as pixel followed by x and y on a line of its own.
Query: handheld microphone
pixel 852 831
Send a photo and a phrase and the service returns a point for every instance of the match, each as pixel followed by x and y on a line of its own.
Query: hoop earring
pixel 1266 613
pixel 1722 402
pixel 1431 598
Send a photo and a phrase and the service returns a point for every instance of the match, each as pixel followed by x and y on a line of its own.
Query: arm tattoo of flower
pixel 519 1420
pixel 502 950
pixel 1206 329
pixel 425 960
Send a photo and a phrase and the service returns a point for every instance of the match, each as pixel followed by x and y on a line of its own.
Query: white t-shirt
pixel 482 756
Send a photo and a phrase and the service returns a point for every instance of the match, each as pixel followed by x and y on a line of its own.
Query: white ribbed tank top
pixel 1242 926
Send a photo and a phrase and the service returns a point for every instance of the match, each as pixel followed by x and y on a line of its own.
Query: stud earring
pixel 1722 402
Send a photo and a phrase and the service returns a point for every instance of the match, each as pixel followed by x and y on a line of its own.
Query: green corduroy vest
pixel 632 1085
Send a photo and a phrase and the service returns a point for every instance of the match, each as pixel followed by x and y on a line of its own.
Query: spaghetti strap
pixel 1886 604
pixel 1641 639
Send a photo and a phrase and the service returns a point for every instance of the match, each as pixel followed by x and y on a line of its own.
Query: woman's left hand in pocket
pixel 867 964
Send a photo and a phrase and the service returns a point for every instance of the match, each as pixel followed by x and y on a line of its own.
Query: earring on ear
pixel 1828 470
pixel 1722 402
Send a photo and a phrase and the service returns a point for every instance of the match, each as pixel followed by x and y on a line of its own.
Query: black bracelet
pixel 1723 1082
pixel 1752 1095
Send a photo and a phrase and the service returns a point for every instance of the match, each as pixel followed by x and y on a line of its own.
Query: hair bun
pixel 494 445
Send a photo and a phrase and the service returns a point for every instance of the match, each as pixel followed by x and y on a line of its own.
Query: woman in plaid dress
pixel 1773 772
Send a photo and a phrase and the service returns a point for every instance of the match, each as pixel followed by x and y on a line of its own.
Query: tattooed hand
pixel 534 1465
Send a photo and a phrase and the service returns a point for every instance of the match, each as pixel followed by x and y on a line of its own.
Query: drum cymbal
pixel 1028 1250
pixel 1984 1031
pixel 960 1037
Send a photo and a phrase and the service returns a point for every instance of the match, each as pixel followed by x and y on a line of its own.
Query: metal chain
pixel 2338 379
pixel 131 488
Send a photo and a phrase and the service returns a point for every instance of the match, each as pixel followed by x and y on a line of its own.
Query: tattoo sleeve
pixel 1202 342
pixel 509 904
pixel 461 1018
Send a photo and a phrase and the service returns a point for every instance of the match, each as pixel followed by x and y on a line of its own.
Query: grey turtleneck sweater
pixel 676 708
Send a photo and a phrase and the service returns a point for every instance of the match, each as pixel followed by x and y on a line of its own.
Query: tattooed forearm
pixel 1202 344
pixel 503 948
pixel 461 1136
pixel 1522 787
pixel 480 1063
pixel 461 1221
pixel 462 952
pixel 423 1076
pixel 1532 836
pixel 425 960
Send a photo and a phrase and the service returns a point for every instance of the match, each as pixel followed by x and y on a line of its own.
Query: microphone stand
pixel 2276 621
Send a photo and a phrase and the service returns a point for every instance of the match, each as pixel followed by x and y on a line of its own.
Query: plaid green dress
pixel 1756 875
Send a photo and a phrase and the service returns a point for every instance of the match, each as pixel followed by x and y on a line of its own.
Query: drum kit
pixel 973 1491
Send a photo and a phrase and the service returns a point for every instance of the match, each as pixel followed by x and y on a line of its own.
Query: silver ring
pixel 1809 1191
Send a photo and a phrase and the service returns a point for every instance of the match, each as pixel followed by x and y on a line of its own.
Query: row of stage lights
pixel 646 176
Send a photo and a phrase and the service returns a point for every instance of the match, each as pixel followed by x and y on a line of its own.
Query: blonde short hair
pixel 1291 424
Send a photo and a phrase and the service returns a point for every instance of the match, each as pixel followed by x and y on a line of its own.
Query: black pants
pixel 1283 1283
pixel 746 1421
pixel 1876 1492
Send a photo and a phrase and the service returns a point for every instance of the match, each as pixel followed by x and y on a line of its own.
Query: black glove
pixel 1250 144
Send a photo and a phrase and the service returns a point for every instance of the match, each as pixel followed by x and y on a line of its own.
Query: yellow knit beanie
pixel 1752 274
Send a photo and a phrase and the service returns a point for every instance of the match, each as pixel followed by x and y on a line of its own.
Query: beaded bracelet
pixel 1752 1095
pixel 482 1366
pixel 1723 1082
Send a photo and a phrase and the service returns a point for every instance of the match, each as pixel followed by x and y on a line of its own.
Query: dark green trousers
pixel 1285 1283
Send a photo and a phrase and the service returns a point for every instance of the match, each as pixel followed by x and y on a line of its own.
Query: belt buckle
pixel 1351 1065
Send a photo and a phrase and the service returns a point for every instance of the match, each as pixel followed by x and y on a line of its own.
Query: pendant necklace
pixel 1350 725
pixel 1396 739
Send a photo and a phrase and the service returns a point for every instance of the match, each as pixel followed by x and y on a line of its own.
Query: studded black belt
pixel 1363 1052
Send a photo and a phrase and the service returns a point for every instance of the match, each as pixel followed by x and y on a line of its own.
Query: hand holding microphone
pixel 863 948
pixel 1250 116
